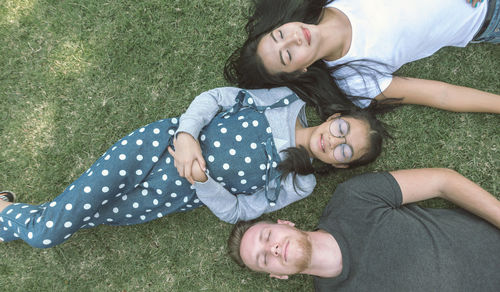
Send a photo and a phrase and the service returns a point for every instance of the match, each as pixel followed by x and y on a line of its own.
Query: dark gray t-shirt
pixel 387 246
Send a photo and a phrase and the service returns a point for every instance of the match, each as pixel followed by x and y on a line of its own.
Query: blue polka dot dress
pixel 135 180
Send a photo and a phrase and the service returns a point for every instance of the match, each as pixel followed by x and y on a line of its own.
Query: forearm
pixel 427 183
pixel 442 95
pixel 199 113
pixel 464 99
pixel 470 196
pixel 204 107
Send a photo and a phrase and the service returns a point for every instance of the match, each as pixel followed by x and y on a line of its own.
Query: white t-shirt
pixel 395 32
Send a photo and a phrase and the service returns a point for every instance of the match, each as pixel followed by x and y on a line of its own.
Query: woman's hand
pixel 474 3
pixel 188 158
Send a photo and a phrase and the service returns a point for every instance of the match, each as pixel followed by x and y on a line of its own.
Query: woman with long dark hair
pixel 358 44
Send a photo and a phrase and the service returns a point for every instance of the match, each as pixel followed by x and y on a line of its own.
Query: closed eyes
pixel 342 129
pixel 346 152
pixel 267 240
pixel 287 52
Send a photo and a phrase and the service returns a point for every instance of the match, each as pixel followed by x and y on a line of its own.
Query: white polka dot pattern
pixel 135 181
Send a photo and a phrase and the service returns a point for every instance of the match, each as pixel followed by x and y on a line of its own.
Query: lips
pixel 285 251
pixel 307 35
pixel 322 143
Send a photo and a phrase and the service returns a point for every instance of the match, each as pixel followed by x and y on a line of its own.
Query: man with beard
pixel 372 238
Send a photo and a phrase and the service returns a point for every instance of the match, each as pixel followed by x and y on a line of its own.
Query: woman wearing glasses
pixel 241 153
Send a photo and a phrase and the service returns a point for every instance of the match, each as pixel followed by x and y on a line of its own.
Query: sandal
pixel 7 196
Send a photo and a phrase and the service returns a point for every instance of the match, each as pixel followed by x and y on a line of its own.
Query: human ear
pixel 281 277
pixel 286 222
pixel 333 116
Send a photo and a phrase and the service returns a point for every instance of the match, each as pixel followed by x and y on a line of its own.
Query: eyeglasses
pixel 339 128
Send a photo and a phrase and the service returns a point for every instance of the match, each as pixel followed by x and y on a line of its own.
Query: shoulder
pixel 269 96
pixel 369 181
pixel 262 97
pixel 225 90
pixel 370 188
pixel 220 92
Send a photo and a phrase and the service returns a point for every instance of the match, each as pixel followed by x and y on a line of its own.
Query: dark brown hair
pixel 234 240
pixel 298 162
pixel 316 86
pixel 245 68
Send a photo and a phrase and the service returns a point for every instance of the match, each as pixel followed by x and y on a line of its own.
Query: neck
pixel 326 258
pixel 336 34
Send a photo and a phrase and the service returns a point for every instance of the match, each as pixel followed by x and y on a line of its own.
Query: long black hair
pixel 316 86
pixel 297 159
pixel 245 68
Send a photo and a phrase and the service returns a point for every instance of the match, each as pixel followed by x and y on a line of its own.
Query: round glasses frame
pixel 343 129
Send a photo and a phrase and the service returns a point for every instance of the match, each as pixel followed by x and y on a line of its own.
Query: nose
pixel 335 141
pixel 294 38
pixel 276 249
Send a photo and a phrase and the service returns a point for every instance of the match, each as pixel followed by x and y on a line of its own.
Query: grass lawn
pixel 78 75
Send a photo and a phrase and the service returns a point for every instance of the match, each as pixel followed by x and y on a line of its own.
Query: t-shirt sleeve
pixel 378 187
pixel 365 193
pixel 362 83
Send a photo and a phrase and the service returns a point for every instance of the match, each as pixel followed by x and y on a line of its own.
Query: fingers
pixel 188 175
pixel 178 166
pixel 172 152
pixel 201 161
pixel 184 169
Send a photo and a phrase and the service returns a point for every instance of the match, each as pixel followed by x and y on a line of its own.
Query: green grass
pixel 78 75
